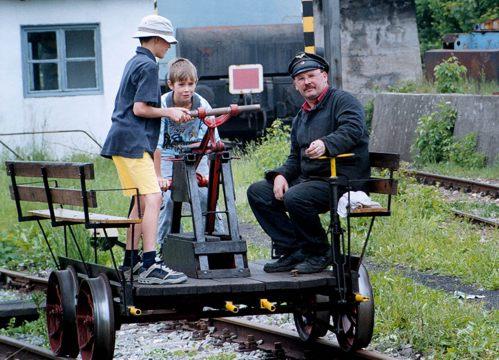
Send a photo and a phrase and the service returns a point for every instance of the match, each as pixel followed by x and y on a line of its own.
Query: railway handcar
pixel 88 301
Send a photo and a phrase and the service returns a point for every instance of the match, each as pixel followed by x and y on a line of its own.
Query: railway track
pixel 456 183
pixel 476 219
pixel 14 349
pixel 282 344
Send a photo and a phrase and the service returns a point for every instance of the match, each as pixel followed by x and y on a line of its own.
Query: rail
pixel 44 132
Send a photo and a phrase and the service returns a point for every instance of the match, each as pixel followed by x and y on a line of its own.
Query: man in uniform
pixel 288 202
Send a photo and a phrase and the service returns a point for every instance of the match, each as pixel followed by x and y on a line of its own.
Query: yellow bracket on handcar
pixel 332 161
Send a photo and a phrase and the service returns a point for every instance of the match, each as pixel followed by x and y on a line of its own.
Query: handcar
pixel 87 301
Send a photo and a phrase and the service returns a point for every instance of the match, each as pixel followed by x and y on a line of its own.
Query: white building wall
pixel 118 20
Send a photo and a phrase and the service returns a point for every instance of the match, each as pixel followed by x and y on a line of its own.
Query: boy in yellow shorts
pixel 133 138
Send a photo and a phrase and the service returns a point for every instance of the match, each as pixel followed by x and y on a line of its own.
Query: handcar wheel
pixel 61 313
pixel 95 319
pixel 355 323
pixel 310 323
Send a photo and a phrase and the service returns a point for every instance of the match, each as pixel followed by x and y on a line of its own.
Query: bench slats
pixel 54 169
pixel 79 217
pixel 59 195
pixel 384 160
pixel 383 186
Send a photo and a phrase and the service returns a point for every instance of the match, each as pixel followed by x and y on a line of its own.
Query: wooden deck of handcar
pixel 258 282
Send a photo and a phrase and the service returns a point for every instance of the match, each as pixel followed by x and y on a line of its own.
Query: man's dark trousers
pixel 302 229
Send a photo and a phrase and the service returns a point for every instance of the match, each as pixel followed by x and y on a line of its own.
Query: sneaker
pixel 160 274
pixel 137 269
pixel 286 262
pixel 313 264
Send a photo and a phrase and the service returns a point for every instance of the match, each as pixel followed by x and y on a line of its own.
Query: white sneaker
pixel 160 274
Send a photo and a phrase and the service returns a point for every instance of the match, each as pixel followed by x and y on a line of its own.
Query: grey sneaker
pixel 137 269
pixel 160 274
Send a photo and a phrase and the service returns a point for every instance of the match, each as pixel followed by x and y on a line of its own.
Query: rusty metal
pixel 481 64
pixel 278 341
pixel 476 219
pixel 23 280
pixel 15 349
pixel 456 183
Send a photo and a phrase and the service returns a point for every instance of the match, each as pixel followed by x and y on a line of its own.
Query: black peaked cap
pixel 304 61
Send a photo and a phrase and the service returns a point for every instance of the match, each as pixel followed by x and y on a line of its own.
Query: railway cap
pixel 155 25
pixel 304 61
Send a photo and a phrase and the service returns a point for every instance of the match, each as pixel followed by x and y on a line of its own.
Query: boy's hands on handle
pixel 178 114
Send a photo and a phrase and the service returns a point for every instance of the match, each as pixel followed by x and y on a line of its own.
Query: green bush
pixel 449 76
pixel 435 18
pixel 462 152
pixel 368 112
pixel 434 135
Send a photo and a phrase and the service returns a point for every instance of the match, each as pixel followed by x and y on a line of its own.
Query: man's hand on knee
pixel 280 186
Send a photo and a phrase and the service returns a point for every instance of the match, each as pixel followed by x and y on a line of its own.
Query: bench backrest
pixel 48 192
pixel 384 161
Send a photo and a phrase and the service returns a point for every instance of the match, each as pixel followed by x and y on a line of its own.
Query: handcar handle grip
pixel 226 110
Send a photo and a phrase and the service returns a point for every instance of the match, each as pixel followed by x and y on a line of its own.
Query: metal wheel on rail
pixel 95 319
pixel 61 312
pixel 354 324
pixel 312 324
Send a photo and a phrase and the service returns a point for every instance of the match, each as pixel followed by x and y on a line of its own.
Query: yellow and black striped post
pixel 308 25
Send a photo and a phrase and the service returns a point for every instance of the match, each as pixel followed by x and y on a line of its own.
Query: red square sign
pixel 245 79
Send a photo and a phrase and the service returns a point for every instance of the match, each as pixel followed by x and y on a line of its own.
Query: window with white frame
pixel 61 60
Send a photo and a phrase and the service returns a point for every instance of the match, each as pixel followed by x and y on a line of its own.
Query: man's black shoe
pixel 313 264
pixel 285 262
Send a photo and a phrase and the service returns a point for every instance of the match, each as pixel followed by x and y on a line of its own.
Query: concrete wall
pixel 396 116
pixel 118 20
pixel 379 42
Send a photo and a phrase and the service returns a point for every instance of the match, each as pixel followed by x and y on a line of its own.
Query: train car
pixel 88 301
pixel 268 45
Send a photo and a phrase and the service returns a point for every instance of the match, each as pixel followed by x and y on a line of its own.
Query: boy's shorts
pixel 137 173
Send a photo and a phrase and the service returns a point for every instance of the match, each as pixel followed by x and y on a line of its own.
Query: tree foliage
pixel 439 17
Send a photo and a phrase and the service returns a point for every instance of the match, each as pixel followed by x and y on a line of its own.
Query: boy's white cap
pixel 155 25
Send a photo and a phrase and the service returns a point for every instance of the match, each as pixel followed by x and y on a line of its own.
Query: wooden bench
pixel 47 191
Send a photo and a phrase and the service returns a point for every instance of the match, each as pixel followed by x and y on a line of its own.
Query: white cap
pixel 155 25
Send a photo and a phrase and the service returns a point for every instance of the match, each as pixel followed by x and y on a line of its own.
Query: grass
pixel 434 323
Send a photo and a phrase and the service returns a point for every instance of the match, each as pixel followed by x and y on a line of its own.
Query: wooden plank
pixel 384 160
pixel 59 195
pixel 369 210
pixel 286 281
pixel 242 285
pixel 220 247
pixel 79 217
pixel 190 287
pixel 383 186
pixel 60 170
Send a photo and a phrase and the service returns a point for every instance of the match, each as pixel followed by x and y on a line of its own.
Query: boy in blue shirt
pixel 182 79
pixel 133 138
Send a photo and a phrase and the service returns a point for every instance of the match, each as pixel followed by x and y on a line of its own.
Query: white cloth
pixel 358 199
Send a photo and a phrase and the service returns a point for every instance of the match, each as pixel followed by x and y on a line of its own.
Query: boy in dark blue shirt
pixel 133 138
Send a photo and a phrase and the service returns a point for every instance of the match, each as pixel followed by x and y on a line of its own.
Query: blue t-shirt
pixel 130 135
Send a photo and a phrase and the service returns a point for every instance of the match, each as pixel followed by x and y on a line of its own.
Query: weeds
pixel 435 324
pixel 435 142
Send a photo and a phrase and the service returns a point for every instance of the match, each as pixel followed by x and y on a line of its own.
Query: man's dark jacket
pixel 338 120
